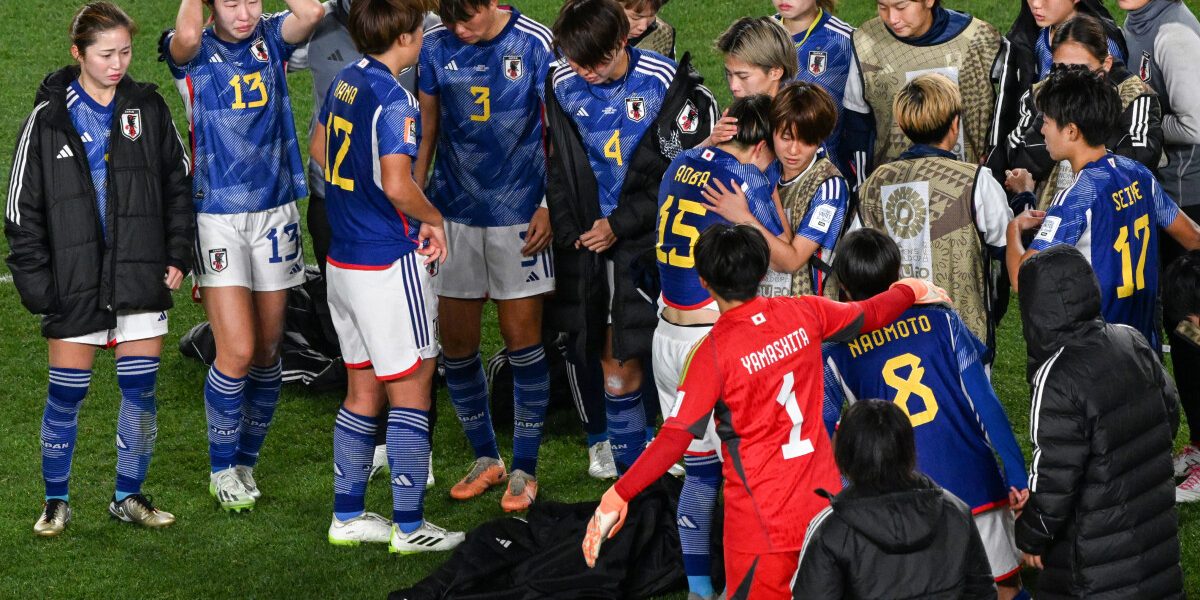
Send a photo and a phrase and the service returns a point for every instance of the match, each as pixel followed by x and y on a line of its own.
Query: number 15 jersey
pixel 758 373
pixel 244 144
pixel 367 116
pixel 1112 214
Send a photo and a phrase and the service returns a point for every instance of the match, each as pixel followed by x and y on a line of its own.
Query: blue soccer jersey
pixel 612 117
pixel 1112 214
pixel 823 222
pixel 1045 57
pixel 491 160
pixel 367 116
pixel 928 363
pixel 824 53
pixel 93 122
pixel 244 148
pixel 683 216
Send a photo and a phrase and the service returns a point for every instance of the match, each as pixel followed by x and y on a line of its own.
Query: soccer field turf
pixel 280 548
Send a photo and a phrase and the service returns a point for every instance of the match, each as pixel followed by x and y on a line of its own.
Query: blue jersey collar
pixel 83 95
pixel 926 151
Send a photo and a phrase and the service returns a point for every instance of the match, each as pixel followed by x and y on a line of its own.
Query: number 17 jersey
pixel 1112 214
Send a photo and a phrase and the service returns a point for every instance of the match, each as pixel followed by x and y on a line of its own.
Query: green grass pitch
pixel 280 548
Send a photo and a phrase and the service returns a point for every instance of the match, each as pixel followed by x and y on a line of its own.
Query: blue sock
pixel 60 424
pixel 596 438
pixel 469 394
pixel 262 395
pixel 694 513
pixel 223 409
pixel 626 427
pixel 408 460
pixel 531 388
pixel 353 451
pixel 137 422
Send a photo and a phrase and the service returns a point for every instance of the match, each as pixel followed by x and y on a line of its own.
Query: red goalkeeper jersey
pixel 759 373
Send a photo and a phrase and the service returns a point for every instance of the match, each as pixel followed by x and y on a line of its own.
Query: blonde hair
pixel 925 108
pixel 762 42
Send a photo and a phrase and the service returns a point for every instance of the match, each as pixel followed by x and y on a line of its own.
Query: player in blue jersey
pixel 616 116
pixel 930 365
pixel 99 226
pixel 482 87
pixel 248 175
pixel 380 296
pixel 823 53
pixel 688 310
pixel 1113 210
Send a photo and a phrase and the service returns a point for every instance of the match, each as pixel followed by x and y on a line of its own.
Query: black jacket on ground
pixel 1101 511
pixel 916 543
pixel 540 557
pixel 580 302
pixel 1015 71
pixel 60 263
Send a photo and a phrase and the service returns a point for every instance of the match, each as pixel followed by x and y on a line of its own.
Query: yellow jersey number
pixel 612 148
pixel 907 387
pixel 1131 280
pixel 691 234
pixel 337 125
pixel 483 97
pixel 252 82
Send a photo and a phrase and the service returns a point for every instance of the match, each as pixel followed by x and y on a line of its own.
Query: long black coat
pixel 1101 511
pixel 581 299
pixel 60 263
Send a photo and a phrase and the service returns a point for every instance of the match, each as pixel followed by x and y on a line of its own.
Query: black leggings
pixel 1184 356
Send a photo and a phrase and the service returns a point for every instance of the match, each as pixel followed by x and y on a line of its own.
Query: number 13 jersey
pixel 244 146
pixel 367 116
pixel 758 373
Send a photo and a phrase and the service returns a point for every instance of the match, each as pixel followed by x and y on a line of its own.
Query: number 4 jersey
pixel 758 373
pixel 244 146
pixel 1112 214
pixel 367 116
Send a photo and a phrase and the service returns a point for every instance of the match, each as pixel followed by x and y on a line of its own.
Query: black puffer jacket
pixel 917 543
pixel 580 302
pixel 1101 512
pixel 60 263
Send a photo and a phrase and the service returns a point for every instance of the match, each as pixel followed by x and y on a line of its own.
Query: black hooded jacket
pixel 1101 511
pixel 916 543
pixel 1015 71
pixel 61 265
pixel 580 302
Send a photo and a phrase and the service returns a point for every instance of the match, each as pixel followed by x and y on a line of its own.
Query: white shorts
pixel 386 319
pixel 131 326
pixel 996 529
pixel 261 250
pixel 672 345
pixel 486 262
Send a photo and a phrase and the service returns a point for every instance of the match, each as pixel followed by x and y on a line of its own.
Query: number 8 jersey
pixel 1112 214
pixel 244 149
pixel 758 373
pixel 367 115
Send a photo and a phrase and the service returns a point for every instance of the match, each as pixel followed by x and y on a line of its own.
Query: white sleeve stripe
pixel 1039 386
pixel 187 165
pixel 810 533
pixel 1141 121
pixel 376 170
pixel 19 163
pixel 536 30
pixel 434 29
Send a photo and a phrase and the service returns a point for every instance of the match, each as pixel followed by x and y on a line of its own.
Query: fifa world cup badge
pixel 131 124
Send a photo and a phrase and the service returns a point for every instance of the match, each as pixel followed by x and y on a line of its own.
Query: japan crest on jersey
pixel 131 124
pixel 635 108
pixel 818 61
pixel 259 50
pixel 218 259
pixel 514 67
pixel 689 118
pixel 1144 67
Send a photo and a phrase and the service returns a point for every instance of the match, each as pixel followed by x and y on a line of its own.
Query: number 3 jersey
pixel 758 373
pixel 367 116
pixel 491 162
pixel 244 146
pixel 928 363
pixel 1112 214
pixel 612 117
pixel 683 216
